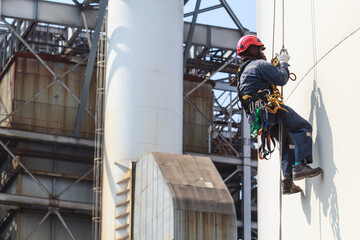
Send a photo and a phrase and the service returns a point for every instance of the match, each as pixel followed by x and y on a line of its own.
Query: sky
pixel 245 10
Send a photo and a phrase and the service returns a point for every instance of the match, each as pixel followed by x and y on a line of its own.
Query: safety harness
pixel 261 103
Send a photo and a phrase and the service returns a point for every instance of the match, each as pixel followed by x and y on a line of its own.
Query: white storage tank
pixel 144 93
pixel 322 39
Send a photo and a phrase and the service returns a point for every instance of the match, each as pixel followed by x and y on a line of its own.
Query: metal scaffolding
pixel 33 26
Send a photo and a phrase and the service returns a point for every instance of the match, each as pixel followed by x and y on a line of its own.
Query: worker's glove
pixel 284 56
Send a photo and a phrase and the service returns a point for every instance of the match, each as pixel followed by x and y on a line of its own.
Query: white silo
pixel 322 39
pixel 143 106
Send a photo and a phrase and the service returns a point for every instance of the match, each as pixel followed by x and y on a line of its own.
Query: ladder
pixel 123 207
pixel 99 134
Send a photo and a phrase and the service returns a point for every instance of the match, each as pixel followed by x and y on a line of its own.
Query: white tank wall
pixel 153 203
pixel 143 106
pixel 322 38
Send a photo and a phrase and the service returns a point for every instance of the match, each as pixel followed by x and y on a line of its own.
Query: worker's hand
pixel 284 56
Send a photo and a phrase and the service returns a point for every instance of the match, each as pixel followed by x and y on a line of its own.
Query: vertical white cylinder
pixel 144 89
pixel 324 55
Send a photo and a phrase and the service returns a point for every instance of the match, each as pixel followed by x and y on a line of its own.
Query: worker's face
pixel 257 52
pixel 261 54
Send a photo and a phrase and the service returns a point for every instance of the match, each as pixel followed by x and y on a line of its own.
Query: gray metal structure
pixel 39 26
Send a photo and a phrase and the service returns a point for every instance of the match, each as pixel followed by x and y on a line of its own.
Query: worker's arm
pixel 278 76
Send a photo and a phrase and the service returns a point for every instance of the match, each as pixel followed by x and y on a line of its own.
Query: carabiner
pixel 251 107
pixel 275 61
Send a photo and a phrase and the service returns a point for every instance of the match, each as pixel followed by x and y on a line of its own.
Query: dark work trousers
pixel 296 139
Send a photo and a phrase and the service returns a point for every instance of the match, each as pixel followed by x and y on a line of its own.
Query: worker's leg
pixel 287 147
pixel 287 161
pixel 301 131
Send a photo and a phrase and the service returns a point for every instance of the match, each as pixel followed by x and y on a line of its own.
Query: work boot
pixel 288 187
pixel 302 171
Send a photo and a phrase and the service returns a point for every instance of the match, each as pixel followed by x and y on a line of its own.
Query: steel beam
pixel 246 182
pixel 191 33
pixel 208 78
pixel 90 68
pixel 38 225
pixel 224 160
pixel 204 10
pixel 43 137
pixel 48 12
pixel 238 170
pixel 71 40
pixel 210 66
pixel 224 87
pixel 25 169
pixel 74 183
pixel 215 37
pixel 77 3
pixel 233 17
pixel 12 199
pixel 240 224
pixel 86 29
pixel 13 30
pixel 64 224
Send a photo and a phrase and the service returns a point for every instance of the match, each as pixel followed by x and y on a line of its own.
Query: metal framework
pixel 230 135
pixel 35 26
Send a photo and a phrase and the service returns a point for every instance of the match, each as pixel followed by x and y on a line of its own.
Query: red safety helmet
pixel 247 41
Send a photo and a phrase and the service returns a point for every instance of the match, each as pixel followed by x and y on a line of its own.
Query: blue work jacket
pixel 259 74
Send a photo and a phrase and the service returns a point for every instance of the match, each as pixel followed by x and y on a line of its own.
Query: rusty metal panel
pixel 199 225
pixel 195 137
pixel 6 94
pixel 53 111
pixel 201 207
pixel 191 225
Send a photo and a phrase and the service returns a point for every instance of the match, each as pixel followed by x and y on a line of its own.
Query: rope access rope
pixel 281 129
pixel 283 25
pixel 273 40
pixel 280 124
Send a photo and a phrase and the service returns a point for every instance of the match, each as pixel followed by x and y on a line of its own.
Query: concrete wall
pixel 322 39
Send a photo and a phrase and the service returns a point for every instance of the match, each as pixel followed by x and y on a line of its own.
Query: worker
pixel 255 77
